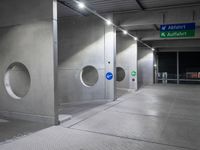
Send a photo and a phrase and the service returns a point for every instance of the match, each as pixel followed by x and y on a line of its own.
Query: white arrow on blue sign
pixel 177 27
pixel 109 76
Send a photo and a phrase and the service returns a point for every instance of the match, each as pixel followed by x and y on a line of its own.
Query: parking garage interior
pixel 109 75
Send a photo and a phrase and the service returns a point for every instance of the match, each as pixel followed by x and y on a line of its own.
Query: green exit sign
pixel 174 34
pixel 177 30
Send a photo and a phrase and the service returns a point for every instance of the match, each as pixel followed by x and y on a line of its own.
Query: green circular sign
pixel 133 73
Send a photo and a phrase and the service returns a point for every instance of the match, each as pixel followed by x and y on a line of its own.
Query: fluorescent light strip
pixel 81 5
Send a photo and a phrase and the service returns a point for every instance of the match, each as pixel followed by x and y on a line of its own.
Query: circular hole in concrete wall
pixel 17 80
pixel 120 74
pixel 89 76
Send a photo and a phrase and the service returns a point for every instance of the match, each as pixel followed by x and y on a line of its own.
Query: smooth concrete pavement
pixel 159 117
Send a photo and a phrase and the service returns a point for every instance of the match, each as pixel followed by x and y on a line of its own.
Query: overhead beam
pixel 175 43
pixel 160 8
pixel 64 3
pixel 180 49
pixel 181 15
pixel 156 27
pixel 140 4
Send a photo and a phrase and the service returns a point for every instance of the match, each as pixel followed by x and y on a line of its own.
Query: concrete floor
pixel 154 118
pixel 14 129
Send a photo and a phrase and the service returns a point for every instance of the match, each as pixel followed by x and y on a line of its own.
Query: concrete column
pixel 127 56
pixel 110 63
pixel 156 67
pixel 178 78
pixel 27 38
pixel 133 80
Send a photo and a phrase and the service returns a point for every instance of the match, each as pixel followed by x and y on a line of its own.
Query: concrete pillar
pixel 146 69
pixel 156 67
pixel 27 39
pixel 134 66
pixel 110 63
pixel 127 56
pixel 178 73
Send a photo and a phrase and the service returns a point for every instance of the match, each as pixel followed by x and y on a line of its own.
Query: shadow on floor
pixel 76 109
pixel 121 92
pixel 12 129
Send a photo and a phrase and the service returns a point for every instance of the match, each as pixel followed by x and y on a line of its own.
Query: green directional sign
pixel 177 30
pixel 175 34
pixel 133 73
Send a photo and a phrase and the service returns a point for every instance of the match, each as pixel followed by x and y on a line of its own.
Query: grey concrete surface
pixel 11 129
pixel 126 58
pixel 110 59
pixel 23 11
pixel 77 109
pixel 143 120
pixel 84 41
pixel 145 66
pixel 36 105
pixel 26 36
pixel 59 138
pixel 121 92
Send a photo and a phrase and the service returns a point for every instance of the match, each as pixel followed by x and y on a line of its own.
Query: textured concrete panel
pixel 110 58
pixel 70 84
pixel 84 41
pixel 16 12
pixel 32 45
pixel 126 58
pixel 145 66
pixel 81 42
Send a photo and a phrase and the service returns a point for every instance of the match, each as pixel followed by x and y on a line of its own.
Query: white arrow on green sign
pixel 133 73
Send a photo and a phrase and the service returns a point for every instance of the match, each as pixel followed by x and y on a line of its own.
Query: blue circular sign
pixel 109 76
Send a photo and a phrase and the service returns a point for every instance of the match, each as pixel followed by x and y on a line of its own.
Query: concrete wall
pixel 85 41
pixel 26 36
pixel 145 66
pixel 127 59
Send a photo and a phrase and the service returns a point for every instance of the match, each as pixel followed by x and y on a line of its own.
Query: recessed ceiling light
pixel 125 32
pixel 135 38
pixel 108 22
pixel 81 5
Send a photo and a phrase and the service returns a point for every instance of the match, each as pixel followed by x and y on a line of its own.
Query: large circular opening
pixel 89 76
pixel 120 74
pixel 17 80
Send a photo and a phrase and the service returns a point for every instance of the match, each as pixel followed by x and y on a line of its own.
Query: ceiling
pixel 69 8
pixel 103 6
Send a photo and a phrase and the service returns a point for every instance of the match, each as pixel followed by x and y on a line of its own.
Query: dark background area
pixel 189 66
pixel 167 62
pixel 189 62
